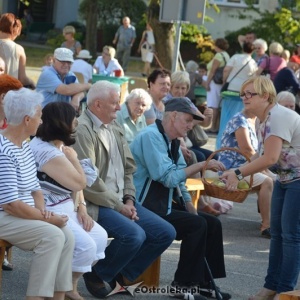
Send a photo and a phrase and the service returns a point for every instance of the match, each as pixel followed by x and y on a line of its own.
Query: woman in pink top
pixel 274 63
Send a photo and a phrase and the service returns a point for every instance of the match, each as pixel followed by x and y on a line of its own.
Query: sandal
pixel 73 296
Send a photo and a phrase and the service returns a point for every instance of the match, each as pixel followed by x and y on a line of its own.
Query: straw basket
pixel 221 192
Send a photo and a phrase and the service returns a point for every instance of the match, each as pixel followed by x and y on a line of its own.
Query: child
pixel 48 59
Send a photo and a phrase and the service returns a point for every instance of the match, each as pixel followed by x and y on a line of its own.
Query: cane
pixel 218 295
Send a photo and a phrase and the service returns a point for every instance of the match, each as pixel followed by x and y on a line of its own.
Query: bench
pixel 194 186
pixel 150 277
pixel 3 246
pixel 293 295
pixel 38 30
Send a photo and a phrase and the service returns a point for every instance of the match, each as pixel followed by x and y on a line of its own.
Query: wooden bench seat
pixel 150 277
pixel 195 186
pixel 293 295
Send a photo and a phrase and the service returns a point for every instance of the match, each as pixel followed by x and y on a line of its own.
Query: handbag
pixel 266 71
pixel 218 76
pixel 197 136
pixel 226 84
pixel 225 87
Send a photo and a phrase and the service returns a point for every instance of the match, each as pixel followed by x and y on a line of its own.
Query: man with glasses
pixel 57 83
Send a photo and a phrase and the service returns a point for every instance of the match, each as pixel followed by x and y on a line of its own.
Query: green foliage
pixel 289 26
pixel 112 11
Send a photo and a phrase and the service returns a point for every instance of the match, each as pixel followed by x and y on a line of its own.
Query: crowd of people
pixel 70 179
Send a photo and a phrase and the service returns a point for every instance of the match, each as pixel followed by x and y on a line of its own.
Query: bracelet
pixel 82 202
pixel 128 197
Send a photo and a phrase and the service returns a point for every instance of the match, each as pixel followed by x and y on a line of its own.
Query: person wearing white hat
pixel 82 66
pixel 58 83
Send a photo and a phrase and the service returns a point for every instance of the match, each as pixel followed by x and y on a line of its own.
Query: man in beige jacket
pixel 140 236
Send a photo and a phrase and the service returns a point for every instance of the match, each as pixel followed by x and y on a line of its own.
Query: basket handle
pixel 221 150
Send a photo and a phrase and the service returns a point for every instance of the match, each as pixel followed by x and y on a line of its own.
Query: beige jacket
pixel 89 145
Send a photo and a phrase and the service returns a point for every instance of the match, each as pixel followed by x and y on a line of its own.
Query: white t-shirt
pixel 43 152
pixel 237 61
pixel 112 66
pixel 81 66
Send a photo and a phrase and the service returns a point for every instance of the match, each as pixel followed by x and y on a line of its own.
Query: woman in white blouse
pixel 107 64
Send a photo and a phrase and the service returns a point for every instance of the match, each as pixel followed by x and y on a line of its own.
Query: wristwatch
pixel 238 174
pixel 82 202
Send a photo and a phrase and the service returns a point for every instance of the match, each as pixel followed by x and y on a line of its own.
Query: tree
pixel 164 35
pixel 100 13
pixel 89 9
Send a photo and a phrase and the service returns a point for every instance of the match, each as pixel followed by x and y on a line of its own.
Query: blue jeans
pixel 135 245
pixel 284 257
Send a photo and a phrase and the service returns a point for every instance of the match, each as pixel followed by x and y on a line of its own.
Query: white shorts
pixel 213 97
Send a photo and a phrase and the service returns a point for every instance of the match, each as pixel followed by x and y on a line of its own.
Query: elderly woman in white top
pixel 107 64
pixel 131 116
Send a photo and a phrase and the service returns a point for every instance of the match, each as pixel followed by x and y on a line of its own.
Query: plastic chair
pixel 79 77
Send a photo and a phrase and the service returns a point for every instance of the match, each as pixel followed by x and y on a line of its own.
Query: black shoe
pixel 118 279
pixel 95 285
pixel 6 265
pixel 208 291
pixel 266 233
pixel 185 290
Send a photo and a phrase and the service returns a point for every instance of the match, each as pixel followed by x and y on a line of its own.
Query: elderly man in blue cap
pixel 160 187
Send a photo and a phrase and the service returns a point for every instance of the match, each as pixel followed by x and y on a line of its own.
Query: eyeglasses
pixel 64 62
pixel 248 95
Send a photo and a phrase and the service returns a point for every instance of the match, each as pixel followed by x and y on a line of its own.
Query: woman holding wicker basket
pixel 279 145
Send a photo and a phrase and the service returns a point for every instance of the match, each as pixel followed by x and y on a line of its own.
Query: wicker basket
pixel 221 192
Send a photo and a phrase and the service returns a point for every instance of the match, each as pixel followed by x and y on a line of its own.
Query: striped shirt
pixel 17 173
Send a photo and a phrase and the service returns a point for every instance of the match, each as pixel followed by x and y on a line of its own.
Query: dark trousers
pixel 201 236
pixel 202 154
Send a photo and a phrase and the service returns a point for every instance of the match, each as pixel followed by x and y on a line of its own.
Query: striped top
pixel 17 173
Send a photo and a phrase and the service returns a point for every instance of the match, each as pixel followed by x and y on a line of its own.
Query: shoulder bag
pixel 218 76
pixel 226 84
pixel 198 136
pixel 266 71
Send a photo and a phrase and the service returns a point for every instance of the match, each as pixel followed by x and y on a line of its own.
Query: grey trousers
pixel 51 265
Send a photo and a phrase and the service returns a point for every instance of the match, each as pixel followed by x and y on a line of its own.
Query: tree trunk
pixel 91 27
pixel 164 35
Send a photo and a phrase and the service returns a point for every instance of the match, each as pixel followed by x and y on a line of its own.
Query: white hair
pixel 140 94
pixel 261 43
pixel 21 103
pixel 101 90
pixel 191 66
pixel 285 96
